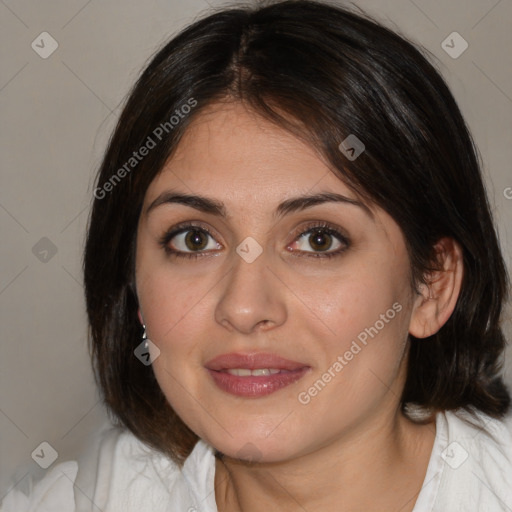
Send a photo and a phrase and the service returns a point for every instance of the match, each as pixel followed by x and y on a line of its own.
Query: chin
pixel 252 449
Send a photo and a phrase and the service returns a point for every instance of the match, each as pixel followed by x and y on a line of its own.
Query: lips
pixel 252 361
pixel 255 374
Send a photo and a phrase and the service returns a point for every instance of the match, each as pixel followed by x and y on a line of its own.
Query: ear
pixel 139 314
pixel 438 296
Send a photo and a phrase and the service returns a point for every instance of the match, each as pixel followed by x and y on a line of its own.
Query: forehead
pixel 229 150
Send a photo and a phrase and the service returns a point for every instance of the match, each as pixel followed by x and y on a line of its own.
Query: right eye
pixel 188 241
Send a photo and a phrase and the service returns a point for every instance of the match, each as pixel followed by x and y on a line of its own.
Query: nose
pixel 252 298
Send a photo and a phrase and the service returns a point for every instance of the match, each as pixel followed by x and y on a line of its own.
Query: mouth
pixel 254 375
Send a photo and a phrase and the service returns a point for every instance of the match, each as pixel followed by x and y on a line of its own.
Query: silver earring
pixel 145 337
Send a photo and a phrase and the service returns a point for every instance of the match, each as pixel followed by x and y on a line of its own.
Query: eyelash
pixel 308 229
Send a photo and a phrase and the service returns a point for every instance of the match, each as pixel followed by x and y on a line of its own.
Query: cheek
pixel 343 307
pixel 168 298
pixel 175 312
pixel 359 322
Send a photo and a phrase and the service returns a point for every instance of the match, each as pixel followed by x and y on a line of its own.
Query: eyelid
pixel 320 225
pixel 189 225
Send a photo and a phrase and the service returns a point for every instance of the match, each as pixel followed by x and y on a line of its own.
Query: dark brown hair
pixel 323 73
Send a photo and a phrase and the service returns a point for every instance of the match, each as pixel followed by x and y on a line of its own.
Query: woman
pixel 293 282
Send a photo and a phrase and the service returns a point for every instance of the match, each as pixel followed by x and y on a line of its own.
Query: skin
pixel 349 448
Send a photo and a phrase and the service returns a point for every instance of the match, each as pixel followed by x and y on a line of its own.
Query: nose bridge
pixel 250 295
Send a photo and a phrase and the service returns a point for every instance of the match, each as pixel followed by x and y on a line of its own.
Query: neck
pixel 380 466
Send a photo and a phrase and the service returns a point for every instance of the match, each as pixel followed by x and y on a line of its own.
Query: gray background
pixel 57 115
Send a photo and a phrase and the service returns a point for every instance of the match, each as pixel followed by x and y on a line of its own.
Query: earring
pixel 145 337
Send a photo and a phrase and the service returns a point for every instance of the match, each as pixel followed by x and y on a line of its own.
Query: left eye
pixel 320 240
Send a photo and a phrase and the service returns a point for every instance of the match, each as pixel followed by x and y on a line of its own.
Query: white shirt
pixel 470 470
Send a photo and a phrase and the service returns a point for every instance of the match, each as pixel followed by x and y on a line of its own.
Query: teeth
pixel 246 372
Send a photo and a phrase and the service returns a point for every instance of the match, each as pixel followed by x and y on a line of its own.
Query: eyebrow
pixel 294 204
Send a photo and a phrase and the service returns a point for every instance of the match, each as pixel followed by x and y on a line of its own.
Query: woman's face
pixel 328 334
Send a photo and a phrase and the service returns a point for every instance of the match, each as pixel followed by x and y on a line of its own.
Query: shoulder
pixel 475 462
pixel 115 472
pixel 54 491
pixel 125 475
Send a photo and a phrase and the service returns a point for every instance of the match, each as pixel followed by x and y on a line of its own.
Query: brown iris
pixel 320 240
pixel 196 240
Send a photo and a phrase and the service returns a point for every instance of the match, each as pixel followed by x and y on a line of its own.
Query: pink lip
pixel 254 386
